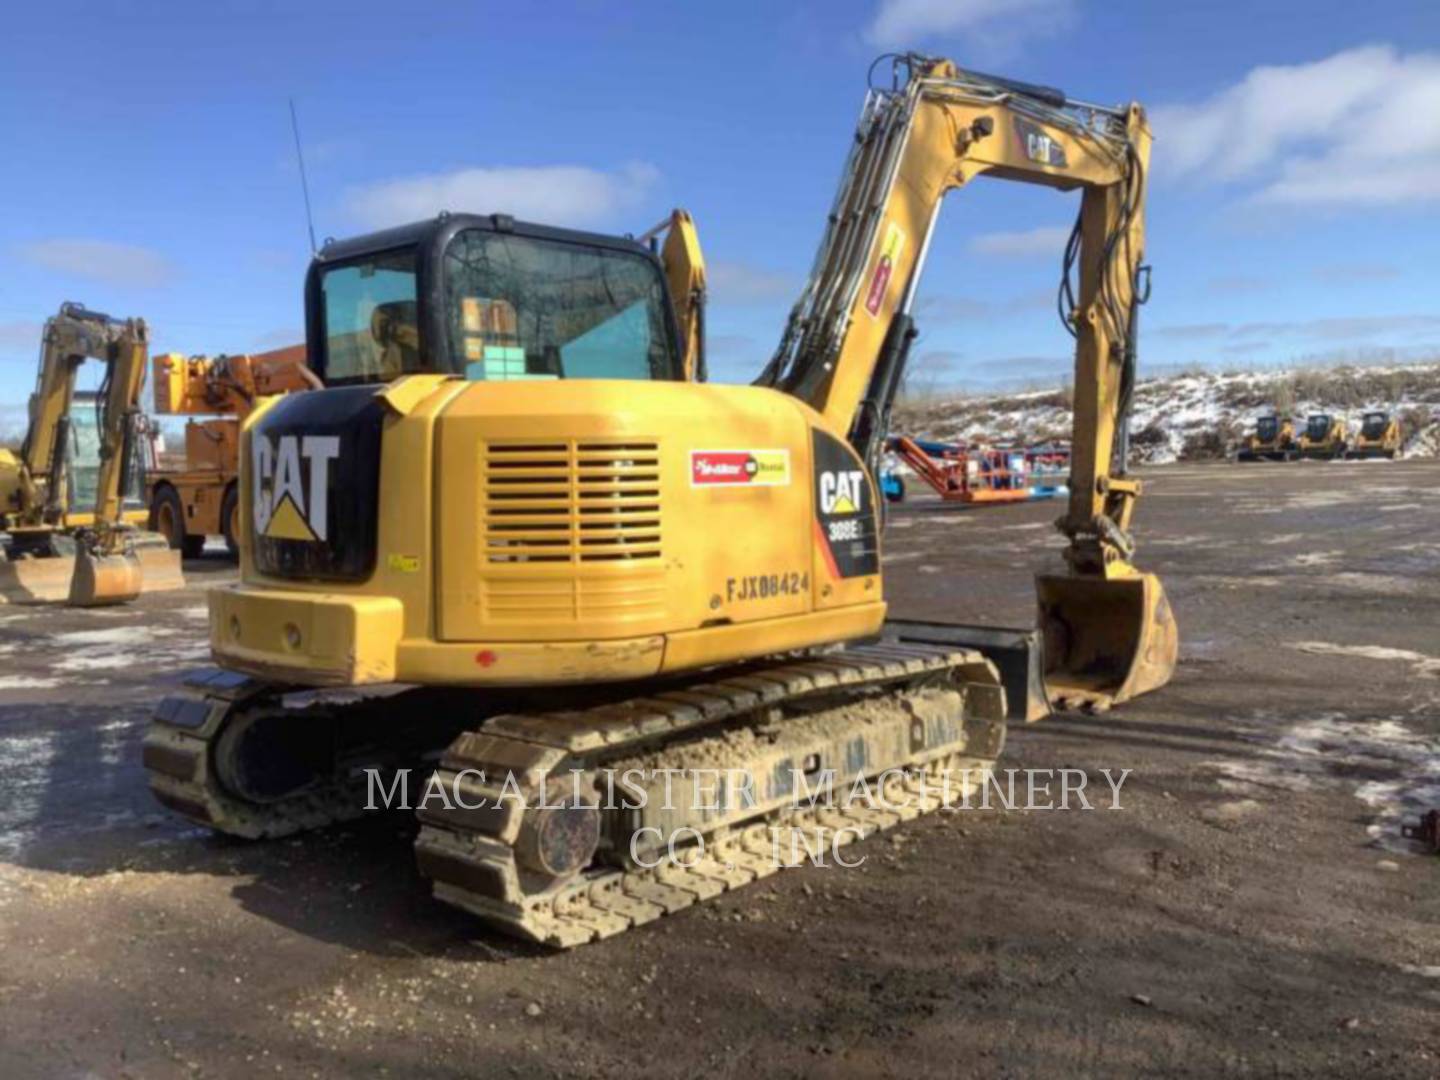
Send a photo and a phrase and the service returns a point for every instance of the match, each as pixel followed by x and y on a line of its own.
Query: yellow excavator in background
pixel 48 552
pixel 511 522
pixel 1272 440
pixel 1378 436
pixel 1325 437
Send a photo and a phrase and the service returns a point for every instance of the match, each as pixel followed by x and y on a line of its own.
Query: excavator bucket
pixel 150 566
pixel 105 579
pixel 1106 640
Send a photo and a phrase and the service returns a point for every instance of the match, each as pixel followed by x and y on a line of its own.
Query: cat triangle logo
pixel 843 505
pixel 286 523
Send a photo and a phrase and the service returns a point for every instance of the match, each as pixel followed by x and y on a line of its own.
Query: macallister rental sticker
pixel 885 267
pixel 739 468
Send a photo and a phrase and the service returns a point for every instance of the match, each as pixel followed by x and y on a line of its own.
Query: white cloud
pixel 1361 126
pixel 547 194
pixel 741 283
pixel 902 24
pixel 1047 241
pixel 125 265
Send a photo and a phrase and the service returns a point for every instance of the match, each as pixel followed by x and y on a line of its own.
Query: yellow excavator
pixel 48 551
pixel 1272 440
pixel 1378 436
pixel 510 526
pixel 1326 437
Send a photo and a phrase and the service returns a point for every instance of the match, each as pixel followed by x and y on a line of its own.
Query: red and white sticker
pixel 884 267
pixel 739 468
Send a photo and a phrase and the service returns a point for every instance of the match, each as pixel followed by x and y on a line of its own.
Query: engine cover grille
pixel 571 531
pixel 576 502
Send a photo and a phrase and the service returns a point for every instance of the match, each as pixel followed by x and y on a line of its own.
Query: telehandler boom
pixel 512 522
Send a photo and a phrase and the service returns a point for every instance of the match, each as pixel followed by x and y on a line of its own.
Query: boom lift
pixel 50 553
pixel 202 499
pixel 542 535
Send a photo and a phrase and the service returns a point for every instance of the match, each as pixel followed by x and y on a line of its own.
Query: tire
pixel 167 517
pixel 229 519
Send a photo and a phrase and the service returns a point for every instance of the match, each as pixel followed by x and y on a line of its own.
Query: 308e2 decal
pixel 845 523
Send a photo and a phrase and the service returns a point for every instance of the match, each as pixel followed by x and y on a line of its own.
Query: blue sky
pixel 1294 212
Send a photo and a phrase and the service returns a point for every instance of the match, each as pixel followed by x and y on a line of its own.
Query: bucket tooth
pixel 1107 640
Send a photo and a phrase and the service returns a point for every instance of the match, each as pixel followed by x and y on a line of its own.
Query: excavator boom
pixel 1109 631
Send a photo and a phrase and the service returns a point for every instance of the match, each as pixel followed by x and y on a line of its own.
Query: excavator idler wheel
pixel 264 758
pixel 1106 640
pixel 558 840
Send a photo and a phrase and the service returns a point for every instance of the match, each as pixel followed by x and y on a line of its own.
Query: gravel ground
pixel 1249 909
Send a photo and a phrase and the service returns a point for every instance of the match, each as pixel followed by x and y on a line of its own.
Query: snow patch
pixel 1422 665
pixel 26 682
pixel 1332 749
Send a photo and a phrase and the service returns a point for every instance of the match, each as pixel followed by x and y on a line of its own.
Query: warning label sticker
pixel 744 468
pixel 885 267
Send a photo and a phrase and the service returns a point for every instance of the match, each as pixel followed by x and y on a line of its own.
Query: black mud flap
pixel 1017 654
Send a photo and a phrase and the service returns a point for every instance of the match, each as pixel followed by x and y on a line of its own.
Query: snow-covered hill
pixel 1196 415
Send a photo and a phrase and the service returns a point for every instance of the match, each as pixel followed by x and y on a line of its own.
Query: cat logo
pixel 842 492
pixel 282 509
pixel 1039 146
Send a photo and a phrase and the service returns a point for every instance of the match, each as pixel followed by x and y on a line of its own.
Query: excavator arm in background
pixel 1109 633
pixel 113 561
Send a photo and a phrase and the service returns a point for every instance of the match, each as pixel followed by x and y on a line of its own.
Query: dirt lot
pixel 1250 910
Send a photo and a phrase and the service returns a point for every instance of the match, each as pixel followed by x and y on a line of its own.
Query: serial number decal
pixel 765 586
pixel 739 468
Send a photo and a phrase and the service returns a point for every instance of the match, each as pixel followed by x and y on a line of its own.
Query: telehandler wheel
pixel 167 517
pixel 230 520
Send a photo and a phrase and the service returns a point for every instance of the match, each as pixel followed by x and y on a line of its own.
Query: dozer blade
pixel 159 564
pixel 36 581
pixel 1106 640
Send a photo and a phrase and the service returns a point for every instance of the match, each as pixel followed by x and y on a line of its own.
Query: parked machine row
pixel 1325 436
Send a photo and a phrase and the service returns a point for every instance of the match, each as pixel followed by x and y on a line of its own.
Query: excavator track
pixel 259 761
pixel 553 866
pixel 178 755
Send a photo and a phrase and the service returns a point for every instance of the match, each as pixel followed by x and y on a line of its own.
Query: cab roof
pixel 445 225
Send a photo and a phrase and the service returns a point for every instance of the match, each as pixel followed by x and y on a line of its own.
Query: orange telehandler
pixel 201 499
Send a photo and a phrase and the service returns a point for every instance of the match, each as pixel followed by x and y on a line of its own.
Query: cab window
pixel 524 308
pixel 372 328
